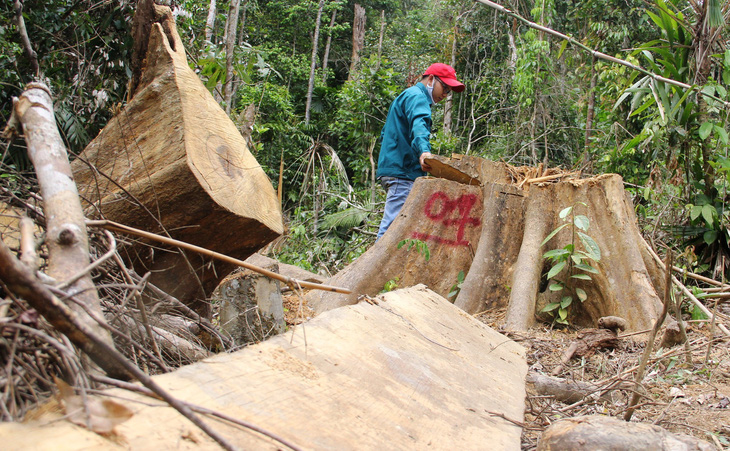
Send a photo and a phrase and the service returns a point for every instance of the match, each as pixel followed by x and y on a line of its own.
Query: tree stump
pixel 172 162
pixel 497 242
pixel 445 215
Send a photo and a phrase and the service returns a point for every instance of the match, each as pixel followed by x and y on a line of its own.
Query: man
pixel 405 137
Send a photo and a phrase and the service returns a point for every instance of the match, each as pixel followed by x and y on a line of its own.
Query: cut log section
pixel 496 240
pixel 173 162
pixel 367 377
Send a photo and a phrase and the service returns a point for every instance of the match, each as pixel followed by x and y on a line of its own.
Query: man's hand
pixel 424 166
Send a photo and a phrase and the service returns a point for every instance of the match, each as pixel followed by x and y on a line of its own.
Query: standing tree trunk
pixel 589 115
pixel 449 103
pixel 380 39
pixel 326 57
pixel 68 244
pixel 230 48
pixel 358 39
pixel 210 21
pixel 313 65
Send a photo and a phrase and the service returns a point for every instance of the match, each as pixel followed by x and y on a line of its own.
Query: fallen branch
pixel 110 225
pixel 21 281
pixel 652 336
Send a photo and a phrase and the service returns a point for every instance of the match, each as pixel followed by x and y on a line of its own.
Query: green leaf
pixel 550 307
pixel 565 302
pixel 581 276
pixel 695 212
pixel 562 48
pixel 577 259
pixel 591 247
pixel 721 133
pixel 556 253
pixel 565 212
pixel 710 236
pixel 582 222
pixel 705 130
pixel 586 268
pixel 581 294
pixel 552 234
pixel 556 269
pixel 562 313
pixel 556 286
pixel 708 214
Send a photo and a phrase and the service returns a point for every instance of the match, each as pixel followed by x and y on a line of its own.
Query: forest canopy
pixel 311 97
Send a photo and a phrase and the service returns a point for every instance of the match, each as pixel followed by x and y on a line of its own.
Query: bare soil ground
pixel 691 398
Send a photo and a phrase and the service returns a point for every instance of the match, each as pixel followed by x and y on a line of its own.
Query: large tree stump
pixel 446 215
pixel 173 162
pixel 497 242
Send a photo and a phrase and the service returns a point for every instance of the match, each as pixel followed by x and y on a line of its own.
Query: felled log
pixel 569 391
pixel 369 376
pixel 589 433
pixel 172 162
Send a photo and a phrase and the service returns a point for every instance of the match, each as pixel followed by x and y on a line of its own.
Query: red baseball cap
pixel 447 74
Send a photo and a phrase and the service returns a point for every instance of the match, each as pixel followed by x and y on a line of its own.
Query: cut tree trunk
pixel 494 234
pixel 172 162
pixel 358 39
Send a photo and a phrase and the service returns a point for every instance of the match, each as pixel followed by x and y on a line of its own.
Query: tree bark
pixel 358 39
pixel 210 21
pixel 68 243
pixel 173 162
pixel 230 39
pixel 25 39
pixel 589 115
pixel 313 64
pixel 380 38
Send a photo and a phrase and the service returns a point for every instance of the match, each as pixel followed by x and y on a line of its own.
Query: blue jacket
pixel 405 135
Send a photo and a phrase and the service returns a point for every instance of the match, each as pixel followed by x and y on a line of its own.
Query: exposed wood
pixel 369 376
pixel 66 238
pixel 173 162
pixel 590 433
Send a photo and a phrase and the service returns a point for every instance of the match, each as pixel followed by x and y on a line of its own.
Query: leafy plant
pixel 421 246
pixel 390 285
pixel 456 288
pixel 572 261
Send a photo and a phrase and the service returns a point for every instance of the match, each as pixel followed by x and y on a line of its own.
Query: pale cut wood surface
pixel 414 372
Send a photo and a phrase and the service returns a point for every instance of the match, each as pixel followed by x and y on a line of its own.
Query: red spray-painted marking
pixel 450 212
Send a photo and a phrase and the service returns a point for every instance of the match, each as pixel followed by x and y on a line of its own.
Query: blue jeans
pixel 398 190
